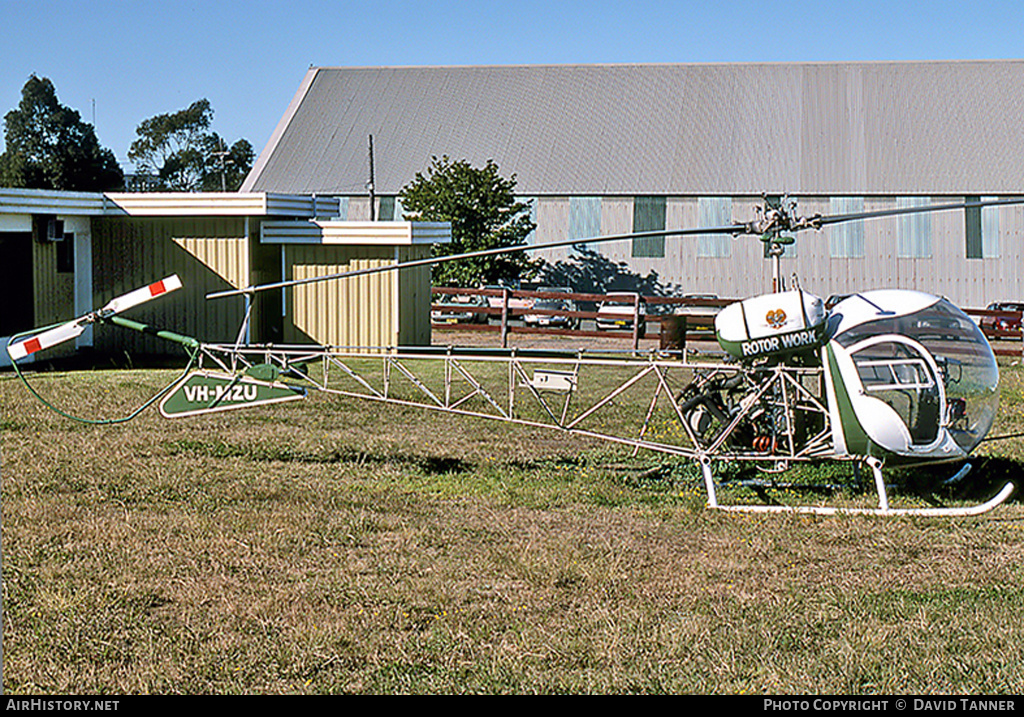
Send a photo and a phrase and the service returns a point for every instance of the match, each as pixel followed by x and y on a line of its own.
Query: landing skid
pixel 883 508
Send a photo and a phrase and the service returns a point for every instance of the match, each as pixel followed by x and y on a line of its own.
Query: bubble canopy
pixel 939 369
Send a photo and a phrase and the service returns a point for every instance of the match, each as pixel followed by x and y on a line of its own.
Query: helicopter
pixel 884 378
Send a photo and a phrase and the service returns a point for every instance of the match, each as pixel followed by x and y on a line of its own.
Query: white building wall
pixel 81 227
pixel 742 270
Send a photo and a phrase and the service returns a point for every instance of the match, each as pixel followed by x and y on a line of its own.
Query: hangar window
pixel 649 216
pixel 981 228
pixel 714 212
pixel 531 202
pixel 846 240
pixel 914 233
pixel 584 217
pixel 386 213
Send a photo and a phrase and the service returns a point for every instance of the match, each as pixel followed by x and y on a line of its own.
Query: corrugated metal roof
pixel 806 128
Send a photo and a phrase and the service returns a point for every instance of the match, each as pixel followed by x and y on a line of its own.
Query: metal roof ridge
pixel 767 63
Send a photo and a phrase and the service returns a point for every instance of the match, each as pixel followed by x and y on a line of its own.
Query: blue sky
pixel 122 62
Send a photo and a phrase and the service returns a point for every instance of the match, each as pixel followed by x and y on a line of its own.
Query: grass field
pixel 335 546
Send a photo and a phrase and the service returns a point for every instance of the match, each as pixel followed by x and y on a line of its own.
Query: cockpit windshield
pixel 897 371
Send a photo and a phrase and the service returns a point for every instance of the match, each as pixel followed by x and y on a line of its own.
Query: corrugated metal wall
pixel 376 310
pixel 414 298
pixel 927 254
pixel 216 253
pixel 208 253
pixel 54 291
pixel 228 257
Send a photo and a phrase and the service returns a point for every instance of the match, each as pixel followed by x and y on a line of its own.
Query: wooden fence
pixel 506 305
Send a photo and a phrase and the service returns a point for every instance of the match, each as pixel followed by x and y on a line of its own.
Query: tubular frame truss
pixel 545 389
pixel 580 393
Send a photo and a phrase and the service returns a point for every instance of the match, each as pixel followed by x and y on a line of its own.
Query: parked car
pixel 616 312
pixel 495 302
pixel 699 316
pixel 459 309
pixel 556 320
pixel 1009 322
pixel 937 327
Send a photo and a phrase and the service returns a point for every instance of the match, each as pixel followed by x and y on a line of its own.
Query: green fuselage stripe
pixel 857 441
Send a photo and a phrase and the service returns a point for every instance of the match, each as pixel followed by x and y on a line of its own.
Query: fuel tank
pixel 772 325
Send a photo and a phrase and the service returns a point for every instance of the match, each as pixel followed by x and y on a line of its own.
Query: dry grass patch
pixel 339 547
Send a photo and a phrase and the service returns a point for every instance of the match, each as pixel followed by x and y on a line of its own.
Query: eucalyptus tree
pixel 181 152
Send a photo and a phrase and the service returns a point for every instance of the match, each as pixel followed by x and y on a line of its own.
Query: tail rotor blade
pixel 140 296
pixel 46 339
pixel 73 329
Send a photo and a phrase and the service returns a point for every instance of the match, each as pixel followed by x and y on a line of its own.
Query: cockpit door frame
pixel 876 420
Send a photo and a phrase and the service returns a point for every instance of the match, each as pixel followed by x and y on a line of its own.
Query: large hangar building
pixel 609 149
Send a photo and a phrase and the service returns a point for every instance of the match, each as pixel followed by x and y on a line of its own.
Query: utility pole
pixel 223 155
pixel 369 184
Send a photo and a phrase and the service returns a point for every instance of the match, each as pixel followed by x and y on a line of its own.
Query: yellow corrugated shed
pixel 216 243
pixel 208 253
pixel 374 311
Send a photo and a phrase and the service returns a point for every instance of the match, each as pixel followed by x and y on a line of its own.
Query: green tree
pixel 183 154
pixel 50 147
pixel 484 214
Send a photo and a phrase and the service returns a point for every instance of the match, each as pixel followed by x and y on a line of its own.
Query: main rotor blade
pixel 73 329
pixel 794 224
pixel 734 229
pixel 840 218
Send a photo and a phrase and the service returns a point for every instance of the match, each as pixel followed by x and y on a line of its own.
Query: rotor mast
pixel 771 224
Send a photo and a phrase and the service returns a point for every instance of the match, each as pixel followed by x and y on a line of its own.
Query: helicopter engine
pixel 750 411
pixel 750 408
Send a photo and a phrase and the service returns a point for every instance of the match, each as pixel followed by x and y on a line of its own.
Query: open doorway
pixel 16 281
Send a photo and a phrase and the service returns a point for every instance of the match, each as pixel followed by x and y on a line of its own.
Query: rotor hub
pixel 774 219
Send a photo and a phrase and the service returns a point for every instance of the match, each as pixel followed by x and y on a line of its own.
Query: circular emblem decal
pixel 776 318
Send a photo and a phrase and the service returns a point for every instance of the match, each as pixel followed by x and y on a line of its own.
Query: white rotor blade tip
pixel 139 296
pixel 45 340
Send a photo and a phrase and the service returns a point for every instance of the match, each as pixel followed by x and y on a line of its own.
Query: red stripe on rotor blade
pixel 157 288
pixel 32 345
